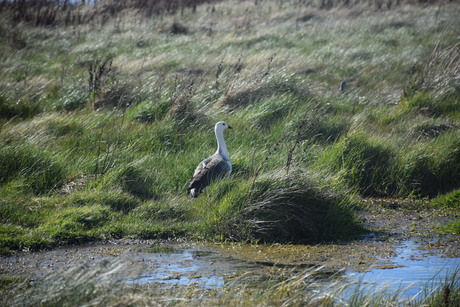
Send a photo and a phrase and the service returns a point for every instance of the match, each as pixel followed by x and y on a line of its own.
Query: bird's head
pixel 221 126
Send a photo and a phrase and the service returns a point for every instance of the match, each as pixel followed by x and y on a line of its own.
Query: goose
pixel 213 167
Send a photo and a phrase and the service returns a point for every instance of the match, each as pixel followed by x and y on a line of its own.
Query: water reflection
pixel 410 273
pixel 180 267
pixel 189 266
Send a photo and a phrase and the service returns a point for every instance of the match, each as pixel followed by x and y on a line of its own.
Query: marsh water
pixel 412 271
pixel 403 254
pixel 404 266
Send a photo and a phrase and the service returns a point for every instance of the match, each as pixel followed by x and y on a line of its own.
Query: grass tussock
pixel 39 170
pixel 431 171
pixel 367 165
pixel 277 208
pixel 292 210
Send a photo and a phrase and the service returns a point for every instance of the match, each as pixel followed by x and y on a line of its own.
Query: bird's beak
pixel 229 127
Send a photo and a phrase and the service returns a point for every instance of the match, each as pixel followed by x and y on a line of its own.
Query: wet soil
pixel 390 220
pixel 391 226
pixel 390 223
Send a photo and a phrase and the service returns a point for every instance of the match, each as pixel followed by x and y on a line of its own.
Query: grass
pixel 276 208
pixel 105 283
pixel 38 169
pixel 103 118
pixel 367 164
pixel 449 200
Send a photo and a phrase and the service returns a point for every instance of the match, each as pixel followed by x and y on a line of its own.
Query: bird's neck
pixel 221 146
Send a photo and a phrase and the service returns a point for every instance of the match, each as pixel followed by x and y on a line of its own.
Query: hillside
pixel 106 110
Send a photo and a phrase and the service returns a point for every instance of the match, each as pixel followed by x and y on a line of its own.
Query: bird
pixel 213 167
pixel 343 86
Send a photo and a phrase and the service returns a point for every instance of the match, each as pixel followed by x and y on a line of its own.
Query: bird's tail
pixel 193 193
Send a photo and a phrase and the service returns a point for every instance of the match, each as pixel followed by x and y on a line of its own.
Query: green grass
pixel 451 228
pixel 449 200
pixel 367 164
pixel 103 122
pixel 276 208
pixel 6 281
pixel 39 170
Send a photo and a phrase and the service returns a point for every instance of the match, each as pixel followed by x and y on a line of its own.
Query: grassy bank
pixel 104 117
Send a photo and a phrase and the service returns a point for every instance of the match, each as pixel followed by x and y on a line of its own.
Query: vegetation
pixel 449 200
pixel 101 285
pixel 106 109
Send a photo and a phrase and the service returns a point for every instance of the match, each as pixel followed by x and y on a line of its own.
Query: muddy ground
pixel 210 264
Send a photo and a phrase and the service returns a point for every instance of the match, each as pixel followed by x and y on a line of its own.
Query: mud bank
pixel 402 247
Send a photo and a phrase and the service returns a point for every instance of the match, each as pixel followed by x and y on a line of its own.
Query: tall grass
pixel 105 283
pixel 430 170
pixel 377 168
pixel 39 170
pixel 119 108
pixel 367 165
pixel 277 208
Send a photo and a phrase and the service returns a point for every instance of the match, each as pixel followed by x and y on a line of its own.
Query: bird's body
pixel 213 167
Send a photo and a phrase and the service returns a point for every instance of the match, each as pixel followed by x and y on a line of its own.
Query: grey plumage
pixel 213 167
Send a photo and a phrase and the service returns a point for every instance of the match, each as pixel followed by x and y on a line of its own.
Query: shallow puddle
pixel 411 272
pixel 397 266
pixel 189 266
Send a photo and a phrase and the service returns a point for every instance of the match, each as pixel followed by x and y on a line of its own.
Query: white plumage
pixel 213 167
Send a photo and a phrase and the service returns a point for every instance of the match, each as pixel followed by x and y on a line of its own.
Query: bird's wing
pixel 208 170
pixel 201 166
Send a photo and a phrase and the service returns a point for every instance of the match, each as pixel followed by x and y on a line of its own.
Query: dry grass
pixel 106 284
pixel 65 13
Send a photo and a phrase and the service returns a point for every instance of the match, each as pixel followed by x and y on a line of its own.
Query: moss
pixel 451 228
pixel 449 200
